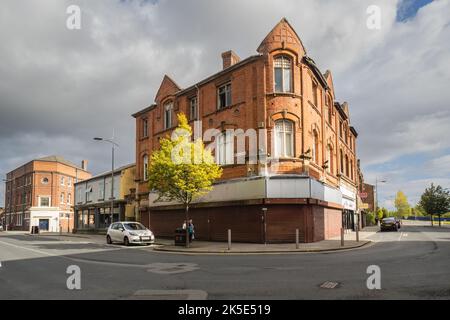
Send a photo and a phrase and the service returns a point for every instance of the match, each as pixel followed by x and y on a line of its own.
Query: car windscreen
pixel 134 226
pixel 388 220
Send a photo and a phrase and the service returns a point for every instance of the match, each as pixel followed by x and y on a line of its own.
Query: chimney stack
pixel 229 58
pixel 84 164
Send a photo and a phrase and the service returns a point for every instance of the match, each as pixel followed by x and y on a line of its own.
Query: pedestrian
pixel 184 225
pixel 191 231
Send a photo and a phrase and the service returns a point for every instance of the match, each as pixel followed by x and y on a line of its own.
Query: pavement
pixel 334 244
pixel 413 264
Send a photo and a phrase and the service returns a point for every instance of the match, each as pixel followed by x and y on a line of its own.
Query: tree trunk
pixel 432 220
pixel 187 225
pixel 439 217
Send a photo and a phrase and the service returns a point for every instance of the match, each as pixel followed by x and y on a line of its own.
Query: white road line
pixel 30 249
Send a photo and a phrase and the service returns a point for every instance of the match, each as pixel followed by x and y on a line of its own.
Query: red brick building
pixel 41 193
pixel 310 181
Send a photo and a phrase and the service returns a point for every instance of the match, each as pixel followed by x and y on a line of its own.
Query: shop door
pixel 43 224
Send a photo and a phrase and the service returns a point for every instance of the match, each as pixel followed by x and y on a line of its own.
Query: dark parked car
pixel 390 223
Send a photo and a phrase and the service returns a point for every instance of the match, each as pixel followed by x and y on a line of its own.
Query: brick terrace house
pixel 41 193
pixel 312 185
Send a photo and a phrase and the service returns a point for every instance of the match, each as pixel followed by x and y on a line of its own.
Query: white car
pixel 129 233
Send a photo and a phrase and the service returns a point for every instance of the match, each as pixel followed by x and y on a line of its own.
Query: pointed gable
pixel 282 36
pixel 167 88
pixel 329 79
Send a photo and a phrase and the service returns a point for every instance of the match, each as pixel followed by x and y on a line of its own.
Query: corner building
pixel 310 181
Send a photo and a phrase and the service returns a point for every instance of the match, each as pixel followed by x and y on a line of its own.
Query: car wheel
pixel 108 240
pixel 126 242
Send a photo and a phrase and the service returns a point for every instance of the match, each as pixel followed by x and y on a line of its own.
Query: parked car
pixel 1 227
pixel 129 233
pixel 389 224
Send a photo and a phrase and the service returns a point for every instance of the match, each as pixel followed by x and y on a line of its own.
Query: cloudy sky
pixel 60 87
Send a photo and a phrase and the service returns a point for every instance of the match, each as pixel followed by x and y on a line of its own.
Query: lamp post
pixel 376 193
pixel 113 145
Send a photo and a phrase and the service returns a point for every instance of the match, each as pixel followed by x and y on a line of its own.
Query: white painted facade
pixel 41 215
pixel 283 187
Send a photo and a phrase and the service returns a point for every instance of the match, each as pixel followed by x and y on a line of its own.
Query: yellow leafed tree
pixel 182 170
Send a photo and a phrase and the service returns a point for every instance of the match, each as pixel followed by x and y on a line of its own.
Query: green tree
pixel 435 201
pixel 418 211
pixel 370 218
pixel 379 214
pixel 402 205
pixel 385 212
pixel 182 170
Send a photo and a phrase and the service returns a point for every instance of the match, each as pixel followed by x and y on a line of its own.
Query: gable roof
pixel 167 83
pixel 273 33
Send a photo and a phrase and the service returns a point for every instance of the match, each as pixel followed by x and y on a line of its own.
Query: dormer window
pixel 168 107
pixel 283 74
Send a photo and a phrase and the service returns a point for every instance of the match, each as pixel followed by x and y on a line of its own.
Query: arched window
pixel 315 147
pixel 342 160
pixel 346 134
pixel 330 110
pixel 168 115
pixel 283 74
pixel 284 138
pixel 351 169
pixel 145 168
pixel 330 168
pixel 346 166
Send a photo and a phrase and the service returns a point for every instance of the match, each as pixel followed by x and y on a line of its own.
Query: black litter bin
pixel 180 237
pixel 34 230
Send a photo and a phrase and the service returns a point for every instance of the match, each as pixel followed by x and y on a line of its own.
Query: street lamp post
pixel 113 145
pixel 376 193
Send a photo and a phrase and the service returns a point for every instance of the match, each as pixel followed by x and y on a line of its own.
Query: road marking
pixel 169 294
pixel 160 268
pixel 30 249
pixel 171 268
pixel 329 285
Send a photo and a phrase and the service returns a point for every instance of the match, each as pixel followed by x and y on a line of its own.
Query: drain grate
pixel 329 285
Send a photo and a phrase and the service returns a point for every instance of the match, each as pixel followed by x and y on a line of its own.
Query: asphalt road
pixel 414 264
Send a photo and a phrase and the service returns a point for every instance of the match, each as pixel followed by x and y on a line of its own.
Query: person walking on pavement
pixel 191 230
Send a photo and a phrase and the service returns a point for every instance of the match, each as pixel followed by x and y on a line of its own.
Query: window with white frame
pixel 69 182
pixel 101 190
pixel 44 201
pixel 283 74
pixel 89 193
pixel 79 195
pixel 61 199
pixel 62 181
pixel 193 103
pixel 168 107
pixel 225 148
pixel 145 168
pixel 19 219
pixel 224 96
pixel 69 198
pixel 284 138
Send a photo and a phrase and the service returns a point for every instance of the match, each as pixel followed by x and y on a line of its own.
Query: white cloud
pixel 79 84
